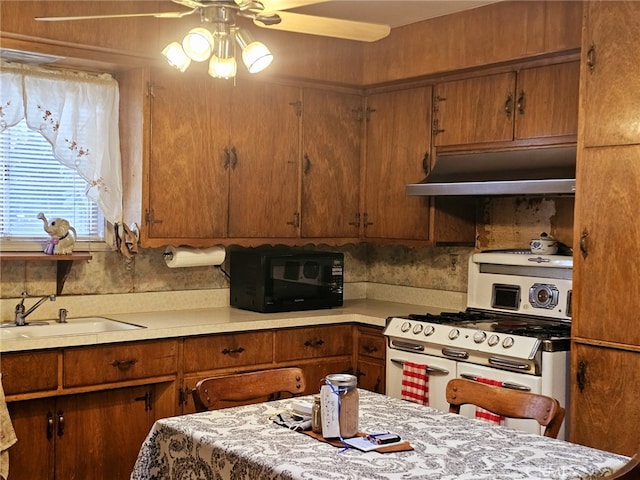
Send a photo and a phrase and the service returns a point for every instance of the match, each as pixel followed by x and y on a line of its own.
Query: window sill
pixel 62 268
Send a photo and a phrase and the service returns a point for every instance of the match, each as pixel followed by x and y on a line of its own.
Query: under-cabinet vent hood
pixel 529 171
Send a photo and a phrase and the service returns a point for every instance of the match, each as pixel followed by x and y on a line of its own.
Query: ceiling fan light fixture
pixel 198 44
pixel 255 55
pixel 222 63
pixel 176 57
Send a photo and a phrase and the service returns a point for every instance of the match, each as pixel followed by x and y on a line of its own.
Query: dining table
pixel 245 442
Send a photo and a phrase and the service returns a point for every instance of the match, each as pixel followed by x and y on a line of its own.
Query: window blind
pixel 34 181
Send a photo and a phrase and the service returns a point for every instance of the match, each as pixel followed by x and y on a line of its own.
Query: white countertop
pixel 202 321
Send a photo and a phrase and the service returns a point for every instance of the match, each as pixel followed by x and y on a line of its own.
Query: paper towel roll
pixel 193 257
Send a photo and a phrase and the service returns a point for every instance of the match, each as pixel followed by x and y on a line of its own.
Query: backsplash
pixel 508 222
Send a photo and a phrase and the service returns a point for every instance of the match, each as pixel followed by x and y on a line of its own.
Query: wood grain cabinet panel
pixel 330 189
pixel 228 351
pixel 118 363
pixel 29 372
pixel 371 359
pixel 313 342
pixel 611 73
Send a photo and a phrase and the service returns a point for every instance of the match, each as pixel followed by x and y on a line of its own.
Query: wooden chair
pixel 506 402
pixel 630 471
pixel 242 388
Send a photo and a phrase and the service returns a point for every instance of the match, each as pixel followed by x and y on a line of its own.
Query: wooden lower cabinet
pixel 93 435
pixel 605 412
pixel 371 350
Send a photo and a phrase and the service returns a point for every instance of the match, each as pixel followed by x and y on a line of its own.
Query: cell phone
pixel 384 438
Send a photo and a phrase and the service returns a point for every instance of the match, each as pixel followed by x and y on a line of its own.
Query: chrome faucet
pixel 20 311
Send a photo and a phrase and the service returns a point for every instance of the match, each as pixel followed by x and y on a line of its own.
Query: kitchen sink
pixel 73 326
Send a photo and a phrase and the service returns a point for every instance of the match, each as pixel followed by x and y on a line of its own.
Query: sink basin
pixel 74 326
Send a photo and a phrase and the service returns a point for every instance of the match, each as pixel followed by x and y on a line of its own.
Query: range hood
pixel 529 171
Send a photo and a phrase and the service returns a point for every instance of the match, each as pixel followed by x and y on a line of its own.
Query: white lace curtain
pixel 78 114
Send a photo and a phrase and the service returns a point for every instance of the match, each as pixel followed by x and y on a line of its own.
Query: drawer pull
pixel 124 365
pixel 60 423
pixel 313 343
pixel 370 348
pixel 229 351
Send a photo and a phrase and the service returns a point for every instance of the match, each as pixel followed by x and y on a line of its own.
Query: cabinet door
pixel 331 126
pixel 605 412
pixel 611 73
pixel 474 110
pixel 102 433
pixel 188 165
pixel 263 195
pixel 32 456
pixel 398 143
pixel 606 292
pixel 547 101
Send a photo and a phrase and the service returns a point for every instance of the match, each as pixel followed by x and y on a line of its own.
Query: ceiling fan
pixel 264 13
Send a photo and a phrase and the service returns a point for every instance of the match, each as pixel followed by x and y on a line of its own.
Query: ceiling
pixel 394 13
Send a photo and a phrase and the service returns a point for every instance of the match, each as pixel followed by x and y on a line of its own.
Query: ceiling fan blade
pixel 328 27
pixel 276 5
pixel 126 15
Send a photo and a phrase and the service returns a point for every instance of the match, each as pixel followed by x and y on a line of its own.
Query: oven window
pixel 506 297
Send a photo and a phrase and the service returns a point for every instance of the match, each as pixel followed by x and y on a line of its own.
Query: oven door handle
pixel 510 385
pixel 407 346
pixel 508 364
pixel 430 370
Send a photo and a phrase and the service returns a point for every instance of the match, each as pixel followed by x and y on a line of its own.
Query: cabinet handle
pixel 581 375
pixel 584 243
pixel 313 343
pixel 227 158
pixel 296 220
pixel 591 58
pixel 370 348
pixel 520 103
pixel 234 158
pixel 146 398
pixel 365 220
pixel 356 223
pixel 124 364
pixel 50 425
pixel 229 351
pixel 425 163
pixel 435 128
pixel 508 105
pixel 307 164
pixel 60 423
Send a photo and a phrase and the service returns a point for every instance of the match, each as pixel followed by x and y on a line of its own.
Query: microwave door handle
pixel 509 385
pixel 430 370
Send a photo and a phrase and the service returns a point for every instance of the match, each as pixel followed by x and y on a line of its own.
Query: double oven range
pixel 515 329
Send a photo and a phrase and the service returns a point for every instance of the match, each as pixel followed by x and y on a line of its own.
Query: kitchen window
pixel 33 181
pixel 60 152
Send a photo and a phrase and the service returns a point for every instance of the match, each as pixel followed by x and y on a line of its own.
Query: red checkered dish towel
pixel 415 383
pixel 485 414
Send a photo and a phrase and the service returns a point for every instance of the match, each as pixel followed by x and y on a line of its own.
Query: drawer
pixel 29 372
pixel 120 362
pixel 371 344
pixel 313 342
pixel 228 350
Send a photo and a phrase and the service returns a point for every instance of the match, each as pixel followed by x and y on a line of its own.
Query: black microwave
pixel 285 280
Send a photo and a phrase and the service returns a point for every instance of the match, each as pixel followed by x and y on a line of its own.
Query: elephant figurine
pixel 63 236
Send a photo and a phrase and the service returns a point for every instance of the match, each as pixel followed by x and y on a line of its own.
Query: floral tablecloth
pixel 243 443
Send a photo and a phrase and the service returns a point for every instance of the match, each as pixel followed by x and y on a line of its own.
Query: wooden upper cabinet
pixel 611 73
pixel 188 166
pixel 331 137
pixel 398 144
pixel 535 105
pixel 264 160
pixel 474 110
pixel 547 101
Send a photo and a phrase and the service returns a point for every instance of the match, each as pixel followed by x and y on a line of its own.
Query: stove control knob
pixel 454 333
pixel 493 340
pixel 428 330
pixel 405 327
pixel 479 336
pixel 508 342
pixel 417 329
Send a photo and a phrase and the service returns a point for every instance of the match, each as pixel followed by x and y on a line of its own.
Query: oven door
pixel 440 371
pixel 518 381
